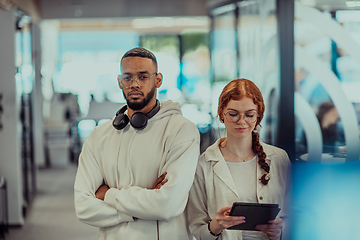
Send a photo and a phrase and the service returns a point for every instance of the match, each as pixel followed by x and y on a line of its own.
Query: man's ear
pixel 158 80
pixel 119 84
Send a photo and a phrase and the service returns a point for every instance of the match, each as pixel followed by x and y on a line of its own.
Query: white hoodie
pixel 129 161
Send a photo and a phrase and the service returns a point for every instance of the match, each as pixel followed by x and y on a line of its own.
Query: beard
pixel 140 105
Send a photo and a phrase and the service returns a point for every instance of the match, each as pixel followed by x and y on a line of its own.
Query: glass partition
pixel 166 48
pixel 223 45
pixel 244 44
pixel 325 175
pixel 258 56
pixel 327 74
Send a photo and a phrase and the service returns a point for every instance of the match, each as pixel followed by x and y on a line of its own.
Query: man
pixel 120 183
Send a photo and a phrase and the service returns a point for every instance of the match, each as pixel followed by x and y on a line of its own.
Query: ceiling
pixel 63 9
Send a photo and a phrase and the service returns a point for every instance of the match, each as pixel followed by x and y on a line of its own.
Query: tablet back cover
pixel 254 214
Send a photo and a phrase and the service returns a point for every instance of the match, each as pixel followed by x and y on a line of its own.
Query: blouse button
pixel 261 198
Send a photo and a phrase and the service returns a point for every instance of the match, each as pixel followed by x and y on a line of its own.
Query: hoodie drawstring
pixel 128 159
pixel 117 160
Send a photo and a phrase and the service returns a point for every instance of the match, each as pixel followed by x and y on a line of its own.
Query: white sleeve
pixel 284 213
pixel 197 210
pixel 170 200
pixel 89 178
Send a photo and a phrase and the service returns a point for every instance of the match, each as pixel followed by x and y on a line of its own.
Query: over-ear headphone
pixel 138 120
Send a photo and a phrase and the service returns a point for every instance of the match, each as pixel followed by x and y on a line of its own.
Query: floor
pixel 52 215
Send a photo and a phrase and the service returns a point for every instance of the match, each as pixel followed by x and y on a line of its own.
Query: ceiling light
pixel 353 3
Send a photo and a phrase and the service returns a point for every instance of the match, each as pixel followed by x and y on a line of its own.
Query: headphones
pixel 138 120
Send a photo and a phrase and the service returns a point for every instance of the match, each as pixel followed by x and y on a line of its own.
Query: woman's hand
pixel 223 220
pixel 160 181
pixel 100 193
pixel 273 229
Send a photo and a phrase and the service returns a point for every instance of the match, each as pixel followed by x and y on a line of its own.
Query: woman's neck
pixel 235 150
pixel 239 146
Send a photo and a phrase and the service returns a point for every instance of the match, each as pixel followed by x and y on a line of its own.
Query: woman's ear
pixel 221 117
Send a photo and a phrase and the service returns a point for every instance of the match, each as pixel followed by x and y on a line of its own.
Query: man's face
pixel 137 97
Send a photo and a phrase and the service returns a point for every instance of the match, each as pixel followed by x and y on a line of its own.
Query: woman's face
pixel 240 127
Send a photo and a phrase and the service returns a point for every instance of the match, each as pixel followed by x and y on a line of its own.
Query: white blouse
pixel 244 175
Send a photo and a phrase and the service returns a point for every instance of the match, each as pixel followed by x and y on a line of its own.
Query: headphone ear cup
pixel 120 121
pixel 139 120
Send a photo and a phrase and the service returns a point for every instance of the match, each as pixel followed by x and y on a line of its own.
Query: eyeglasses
pixel 234 116
pixel 143 80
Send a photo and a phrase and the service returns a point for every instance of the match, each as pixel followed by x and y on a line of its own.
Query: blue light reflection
pixel 325 200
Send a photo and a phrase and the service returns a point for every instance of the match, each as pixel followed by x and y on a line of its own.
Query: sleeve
pixel 197 210
pixel 170 200
pixel 286 178
pixel 88 208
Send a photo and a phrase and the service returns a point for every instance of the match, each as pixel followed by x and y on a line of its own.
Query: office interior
pixel 58 66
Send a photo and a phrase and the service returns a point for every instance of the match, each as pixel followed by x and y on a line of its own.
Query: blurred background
pixel 59 62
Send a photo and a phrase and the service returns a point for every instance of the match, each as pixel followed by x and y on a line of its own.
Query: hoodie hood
pixel 166 109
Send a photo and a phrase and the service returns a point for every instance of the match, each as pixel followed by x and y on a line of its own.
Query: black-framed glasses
pixel 234 116
pixel 142 79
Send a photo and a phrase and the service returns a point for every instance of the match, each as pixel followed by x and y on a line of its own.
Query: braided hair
pixel 258 149
pixel 236 90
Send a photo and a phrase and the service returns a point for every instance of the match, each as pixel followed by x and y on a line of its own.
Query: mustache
pixel 138 92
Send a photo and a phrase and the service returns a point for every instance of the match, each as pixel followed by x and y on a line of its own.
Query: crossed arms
pixel 100 193
pixel 98 205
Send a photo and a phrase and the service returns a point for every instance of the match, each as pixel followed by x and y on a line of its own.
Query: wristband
pixel 215 235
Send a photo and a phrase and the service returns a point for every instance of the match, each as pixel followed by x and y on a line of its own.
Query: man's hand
pixel 100 193
pixel 272 230
pixel 160 181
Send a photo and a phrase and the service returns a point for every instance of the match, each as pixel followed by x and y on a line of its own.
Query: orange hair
pixel 236 90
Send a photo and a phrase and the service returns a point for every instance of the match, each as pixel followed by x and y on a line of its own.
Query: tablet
pixel 254 213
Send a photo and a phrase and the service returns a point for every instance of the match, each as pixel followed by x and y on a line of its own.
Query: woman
pixel 238 168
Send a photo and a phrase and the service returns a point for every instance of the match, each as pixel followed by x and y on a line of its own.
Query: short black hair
pixel 140 52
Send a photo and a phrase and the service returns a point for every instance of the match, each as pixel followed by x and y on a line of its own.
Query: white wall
pixel 10 161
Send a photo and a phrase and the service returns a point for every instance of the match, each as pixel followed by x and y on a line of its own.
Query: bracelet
pixel 215 235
